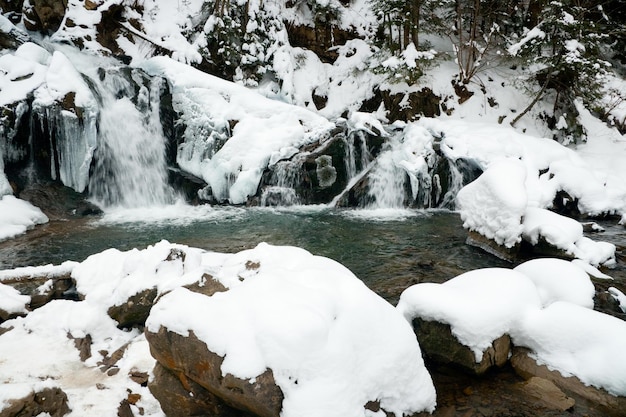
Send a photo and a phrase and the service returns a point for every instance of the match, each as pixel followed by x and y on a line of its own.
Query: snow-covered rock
pixel 294 314
pixel 17 216
pixel 544 306
pixel 232 133
pixel 499 206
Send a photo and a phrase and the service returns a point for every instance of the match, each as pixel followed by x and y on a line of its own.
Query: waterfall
pixel 286 175
pixel 130 166
pixel 358 156
pixel 386 182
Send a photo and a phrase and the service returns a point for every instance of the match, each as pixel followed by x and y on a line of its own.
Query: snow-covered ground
pixel 306 317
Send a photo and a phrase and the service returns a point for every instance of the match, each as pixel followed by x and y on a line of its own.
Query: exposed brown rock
pixel 83 344
pixel 192 400
pixel 547 393
pixel 189 359
pixel 438 344
pixel 44 15
pixel 135 310
pixel 49 400
pixel 207 286
pixel 527 368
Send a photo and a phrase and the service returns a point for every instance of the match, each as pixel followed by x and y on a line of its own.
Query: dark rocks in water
pixel 52 401
pixel 57 201
pixel 490 246
pixel 189 360
pixel 438 344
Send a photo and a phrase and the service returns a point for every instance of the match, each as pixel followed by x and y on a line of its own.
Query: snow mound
pixel 577 341
pixel 11 301
pixel 494 204
pixel 17 216
pixel 559 280
pixel 543 305
pixel 308 319
pixel 497 205
pixel 480 306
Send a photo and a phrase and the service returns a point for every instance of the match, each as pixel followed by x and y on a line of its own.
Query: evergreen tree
pixel 563 55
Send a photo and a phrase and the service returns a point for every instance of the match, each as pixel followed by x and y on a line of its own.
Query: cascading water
pixel 285 176
pixel 130 166
pixel 386 182
pixel 358 157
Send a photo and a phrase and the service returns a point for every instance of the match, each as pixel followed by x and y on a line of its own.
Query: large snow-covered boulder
pixel 495 203
pixel 464 309
pixel 496 209
pixel 544 306
pixel 300 329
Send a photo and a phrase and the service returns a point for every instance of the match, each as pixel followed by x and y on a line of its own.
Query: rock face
pixel 439 345
pixel 52 401
pixel 190 399
pixel 528 368
pixel 44 15
pixel 190 359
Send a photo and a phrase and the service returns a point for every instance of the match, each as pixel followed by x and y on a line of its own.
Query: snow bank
pixel 577 341
pixel 494 204
pixel 12 301
pixel 17 216
pixel 306 317
pixel 566 234
pixel 559 280
pixel 544 305
pixel 480 306
pixel 303 316
pixel 39 347
pixel 498 205
pixel 232 133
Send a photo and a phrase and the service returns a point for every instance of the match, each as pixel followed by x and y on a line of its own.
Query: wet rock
pixel 57 201
pixel 547 394
pixel 490 246
pixel 527 368
pixel 10 36
pixel 439 345
pixel 52 401
pixel 190 359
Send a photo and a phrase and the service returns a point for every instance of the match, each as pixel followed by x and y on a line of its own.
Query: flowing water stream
pixel 388 250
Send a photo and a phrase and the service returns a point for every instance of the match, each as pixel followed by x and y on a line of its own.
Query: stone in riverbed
pixel 546 393
pixel 440 345
pixel 528 368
